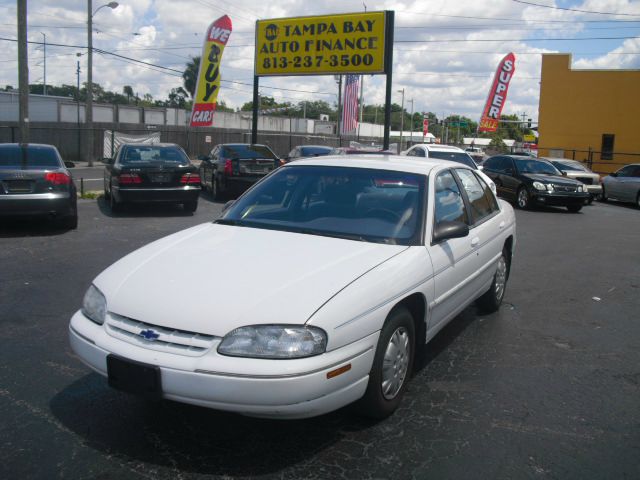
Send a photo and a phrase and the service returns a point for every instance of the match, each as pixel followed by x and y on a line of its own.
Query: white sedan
pixel 315 289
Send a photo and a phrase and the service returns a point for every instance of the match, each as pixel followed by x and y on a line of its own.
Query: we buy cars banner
pixel 498 94
pixel 425 126
pixel 208 83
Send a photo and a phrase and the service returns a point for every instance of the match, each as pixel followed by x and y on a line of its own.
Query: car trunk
pixel 253 166
pixel 155 176
pixel 16 181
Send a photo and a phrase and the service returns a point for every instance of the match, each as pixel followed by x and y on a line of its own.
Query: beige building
pixel 591 115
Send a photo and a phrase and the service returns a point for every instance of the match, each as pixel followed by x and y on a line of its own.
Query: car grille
pixel 564 188
pixel 585 180
pixel 169 340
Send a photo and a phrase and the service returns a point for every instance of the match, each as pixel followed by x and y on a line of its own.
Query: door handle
pixel 501 224
pixel 475 241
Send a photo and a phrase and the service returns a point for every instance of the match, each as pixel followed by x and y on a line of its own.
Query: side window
pixel 420 152
pixel 625 171
pixel 481 199
pixel 635 172
pixel 449 205
pixel 495 164
pixel 411 153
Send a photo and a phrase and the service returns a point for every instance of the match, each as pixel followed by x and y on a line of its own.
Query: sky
pixel 447 68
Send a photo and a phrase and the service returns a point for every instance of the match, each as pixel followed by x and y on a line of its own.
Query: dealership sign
pixel 208 84
pixel 498 94
pixel 321 45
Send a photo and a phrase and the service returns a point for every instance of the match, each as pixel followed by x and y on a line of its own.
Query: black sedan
pixel 34 181
pixel 231 168
pixel 530 182
pixel 141 173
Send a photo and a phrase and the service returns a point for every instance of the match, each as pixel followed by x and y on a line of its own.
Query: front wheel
pixel 523 201
pixel 392 365
pixel 491 300
pixel 574 208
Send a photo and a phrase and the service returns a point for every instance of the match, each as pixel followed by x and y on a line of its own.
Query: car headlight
pixel 581 188
pixel 539 186
pixel 274 341
pixel 94 305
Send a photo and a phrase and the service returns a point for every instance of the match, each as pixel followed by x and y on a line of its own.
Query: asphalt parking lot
pixel 548 387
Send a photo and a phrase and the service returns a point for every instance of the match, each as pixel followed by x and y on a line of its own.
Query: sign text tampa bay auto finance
pixel 347 43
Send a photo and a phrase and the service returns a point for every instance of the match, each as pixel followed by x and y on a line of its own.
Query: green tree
pixel 128 91
pixel 190 76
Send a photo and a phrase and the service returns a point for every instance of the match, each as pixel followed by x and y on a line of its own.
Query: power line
pixel 456 40
pixel 574 9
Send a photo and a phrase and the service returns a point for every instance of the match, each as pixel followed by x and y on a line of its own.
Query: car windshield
pixel 353 203
pixel 570 166
pixel 140 155
pixel 31 157
pixel 459 157
pixel 526 165
pixel 315 151
pixel 247 151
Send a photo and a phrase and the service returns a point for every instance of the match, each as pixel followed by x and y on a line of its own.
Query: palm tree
pixel 190 76
pixel 128 91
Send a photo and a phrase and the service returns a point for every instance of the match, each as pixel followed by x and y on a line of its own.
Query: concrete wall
pixel 578 106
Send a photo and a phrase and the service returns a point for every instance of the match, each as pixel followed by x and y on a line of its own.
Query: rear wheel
pixel 392 365
pixel 523 200
pixel 574 208
pixel 114 204
pixel 215 188
pixel 191 206
pixel 491 300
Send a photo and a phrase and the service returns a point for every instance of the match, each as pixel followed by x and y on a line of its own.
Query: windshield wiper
pixel 228 221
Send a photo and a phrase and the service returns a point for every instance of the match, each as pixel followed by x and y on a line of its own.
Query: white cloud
pixel 444 77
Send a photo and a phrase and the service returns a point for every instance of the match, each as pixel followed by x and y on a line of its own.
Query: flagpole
pixel 361 104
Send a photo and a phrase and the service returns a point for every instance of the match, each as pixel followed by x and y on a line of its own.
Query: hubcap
pixel 501 278
pixel 395 363
pixel 522 198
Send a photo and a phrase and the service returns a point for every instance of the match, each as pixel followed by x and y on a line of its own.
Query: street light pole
pixel 23 71
pixel 401 119
pixel 89 109
pixel 44 44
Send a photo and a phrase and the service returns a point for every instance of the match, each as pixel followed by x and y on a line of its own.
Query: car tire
pixel 490 301
pixel 523 201
pixel 114 205
pixel 638 200
pixel 603 195
pixel 591 198
pixel 574 208
pixel 191 206
pixel 396 350
pixel 215 188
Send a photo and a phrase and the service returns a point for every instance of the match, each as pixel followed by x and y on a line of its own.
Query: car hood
pixel 213 278
pixel 537 177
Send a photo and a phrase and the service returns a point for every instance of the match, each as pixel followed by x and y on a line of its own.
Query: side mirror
pixel 447 230
pixel 69 164
pixel 107 160
pixel 614 174
pixel 227 205
pixel 564 174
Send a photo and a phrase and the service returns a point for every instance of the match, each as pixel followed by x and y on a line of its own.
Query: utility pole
pixel 411 125
pixel 88 114
pixel 339 109
pixel 78 105
pixel 401 119
pixel 23 71
pixel 44 44
pixel 361 104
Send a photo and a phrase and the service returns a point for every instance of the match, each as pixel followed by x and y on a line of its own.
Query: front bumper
pixel 257 387
pixel 559 199
pixel 57 204
pixel 169 194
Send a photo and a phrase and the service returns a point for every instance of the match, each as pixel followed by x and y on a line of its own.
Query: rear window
pixel 459 157
pixel 153 154
pixel 247 151
pixel 30 157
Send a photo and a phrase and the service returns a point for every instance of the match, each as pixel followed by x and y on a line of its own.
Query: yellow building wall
pixel 578 106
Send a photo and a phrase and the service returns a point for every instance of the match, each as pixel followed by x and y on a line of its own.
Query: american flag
pixel 350 105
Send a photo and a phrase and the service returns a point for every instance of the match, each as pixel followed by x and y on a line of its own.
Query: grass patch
pixel 90 195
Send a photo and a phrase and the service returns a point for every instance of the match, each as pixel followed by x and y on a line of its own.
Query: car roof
pixel 315 146
pixel 243 145
pixel 39 145
pixel 150 145
pixel 439 148
pixel 422 166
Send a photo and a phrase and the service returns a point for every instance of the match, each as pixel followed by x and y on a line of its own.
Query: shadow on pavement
pixel 159 209
pixel 30 227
